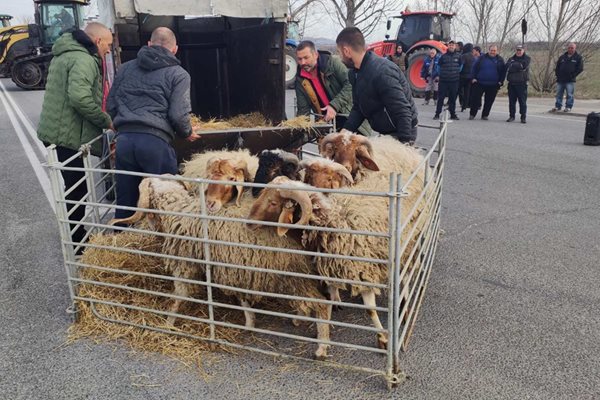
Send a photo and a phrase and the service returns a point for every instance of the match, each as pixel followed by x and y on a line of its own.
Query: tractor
pixel 26 50
pixel 291 42
pixel 419 32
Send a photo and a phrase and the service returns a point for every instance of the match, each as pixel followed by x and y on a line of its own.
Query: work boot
pixel 454 117
pixel 436 116
pixel 567 109
pixel 484 118
pixel 523 119
pixel 471 117
pixel 511 119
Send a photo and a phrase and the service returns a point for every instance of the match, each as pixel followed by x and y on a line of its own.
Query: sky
pixel 17 8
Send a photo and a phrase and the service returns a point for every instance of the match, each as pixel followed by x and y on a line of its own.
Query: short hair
pixel 96 30
pixel 492 45
pixel 163 36
pixel 477 49
pixel 306 44
pixel 352 37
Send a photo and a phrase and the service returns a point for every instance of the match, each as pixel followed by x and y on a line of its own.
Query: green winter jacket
pixel 72 109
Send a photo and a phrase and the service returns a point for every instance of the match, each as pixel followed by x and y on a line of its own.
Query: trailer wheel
pixel 291 66
pixel 413 72
pixel 27 75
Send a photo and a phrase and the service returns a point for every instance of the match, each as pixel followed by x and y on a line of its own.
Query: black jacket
pixel 383 96
pixel 467 60
pixel 450 66
pixel 151 94
pixel 517 69
pixel 567 68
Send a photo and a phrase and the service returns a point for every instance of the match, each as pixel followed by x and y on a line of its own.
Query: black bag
pixel 592 130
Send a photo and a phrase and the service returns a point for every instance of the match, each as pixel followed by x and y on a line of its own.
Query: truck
pixel 418 32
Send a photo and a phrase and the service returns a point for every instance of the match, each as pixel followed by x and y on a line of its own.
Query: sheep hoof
pixel 321 354
pixel 337 308
pixel 171 322
pixel 382 341
pixel 296 322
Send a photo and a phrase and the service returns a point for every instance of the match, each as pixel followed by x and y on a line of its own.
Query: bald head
pixel 101 36
pixel 164 37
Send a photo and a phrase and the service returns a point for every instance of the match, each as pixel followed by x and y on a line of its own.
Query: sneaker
pixel 471 117
pixel 463 109
pixel 555 109
pixel 436 116
pixel 511 119
pixel 523 119
pixel 484 118
pixel 454 117
pixel 567 109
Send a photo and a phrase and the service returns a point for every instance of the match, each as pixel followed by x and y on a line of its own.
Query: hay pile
pixel 187 350
pixel 252 120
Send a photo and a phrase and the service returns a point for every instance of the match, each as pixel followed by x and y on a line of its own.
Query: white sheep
pixel 156 193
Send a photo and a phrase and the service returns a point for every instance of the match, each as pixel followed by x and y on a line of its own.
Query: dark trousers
pixel 71 178
pixel 464 91
pixel 517 92
pixel 140 152
pixel 450 90
pixel 489 93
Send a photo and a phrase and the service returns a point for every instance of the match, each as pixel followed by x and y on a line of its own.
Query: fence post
pixel 64 229
pixel 396 292
pixel 207 258
pixel 391 251
pixel 91 184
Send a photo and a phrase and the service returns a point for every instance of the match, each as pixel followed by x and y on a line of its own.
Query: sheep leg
pixel 180 289
pixel 369 300
pixel 322 311
pixel 297 322
pixel 250 316
pixel 334 295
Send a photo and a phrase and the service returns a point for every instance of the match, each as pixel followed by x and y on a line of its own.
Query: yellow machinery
pixel 26 50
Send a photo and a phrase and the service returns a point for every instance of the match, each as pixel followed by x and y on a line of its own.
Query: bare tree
pixel 364 14
pixel 510 14
pixel 25 19
pixel 561 21
pixel 298 12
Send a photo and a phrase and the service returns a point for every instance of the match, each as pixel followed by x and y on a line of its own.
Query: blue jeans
pixel 560 90
pixel 140 152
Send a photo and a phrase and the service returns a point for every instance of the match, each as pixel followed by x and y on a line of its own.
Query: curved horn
pixel 241 166
pixel 303 200
pixel 326 140
pixel 143 202
pixel 340 169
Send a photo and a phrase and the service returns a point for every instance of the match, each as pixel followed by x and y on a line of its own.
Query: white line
pixel 29 152
pixel 26 122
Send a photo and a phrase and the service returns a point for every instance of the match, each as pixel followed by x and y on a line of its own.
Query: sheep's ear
pixel 286 217
pixel 211 164
pixel 363 156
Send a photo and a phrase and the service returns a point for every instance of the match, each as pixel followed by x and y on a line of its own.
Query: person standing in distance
pixel 517 75
pixel 568 67
pixel 488 78
pixel 449 67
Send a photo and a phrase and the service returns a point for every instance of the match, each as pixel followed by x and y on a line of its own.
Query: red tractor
pixel 419 32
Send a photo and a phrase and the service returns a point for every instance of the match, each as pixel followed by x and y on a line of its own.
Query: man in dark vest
pixel 449 67
pixel 517 75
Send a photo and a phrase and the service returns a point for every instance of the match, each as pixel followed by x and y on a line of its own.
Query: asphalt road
pixel 512 310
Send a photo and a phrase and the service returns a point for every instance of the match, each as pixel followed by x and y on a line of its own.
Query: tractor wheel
pixel 28 75
pixel 291 66
pixel 413 72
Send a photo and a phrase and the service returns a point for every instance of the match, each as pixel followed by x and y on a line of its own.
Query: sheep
pixel 166 195
pixel 273 163
pixel 342 212
pixel 325 173
pixel 237 166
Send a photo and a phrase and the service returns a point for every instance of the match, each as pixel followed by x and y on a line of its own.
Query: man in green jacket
pixel 322 85
pixel 72 110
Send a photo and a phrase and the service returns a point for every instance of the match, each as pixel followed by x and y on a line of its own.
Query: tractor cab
pixel 421 26
pixel 5 20
pixel 55 17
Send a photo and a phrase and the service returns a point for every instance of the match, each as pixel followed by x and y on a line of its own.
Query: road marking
pixel 545 117
pixel 29 152
pixel 26 122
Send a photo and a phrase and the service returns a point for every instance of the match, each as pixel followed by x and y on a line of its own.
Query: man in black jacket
pixel 380 91
pixel 517 75
pixel 149 103
pixel 568 66
pixel 449 67
pixel 464 89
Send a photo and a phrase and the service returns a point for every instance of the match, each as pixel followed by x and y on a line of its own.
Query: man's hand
pixel 329 113
pixel 193 137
